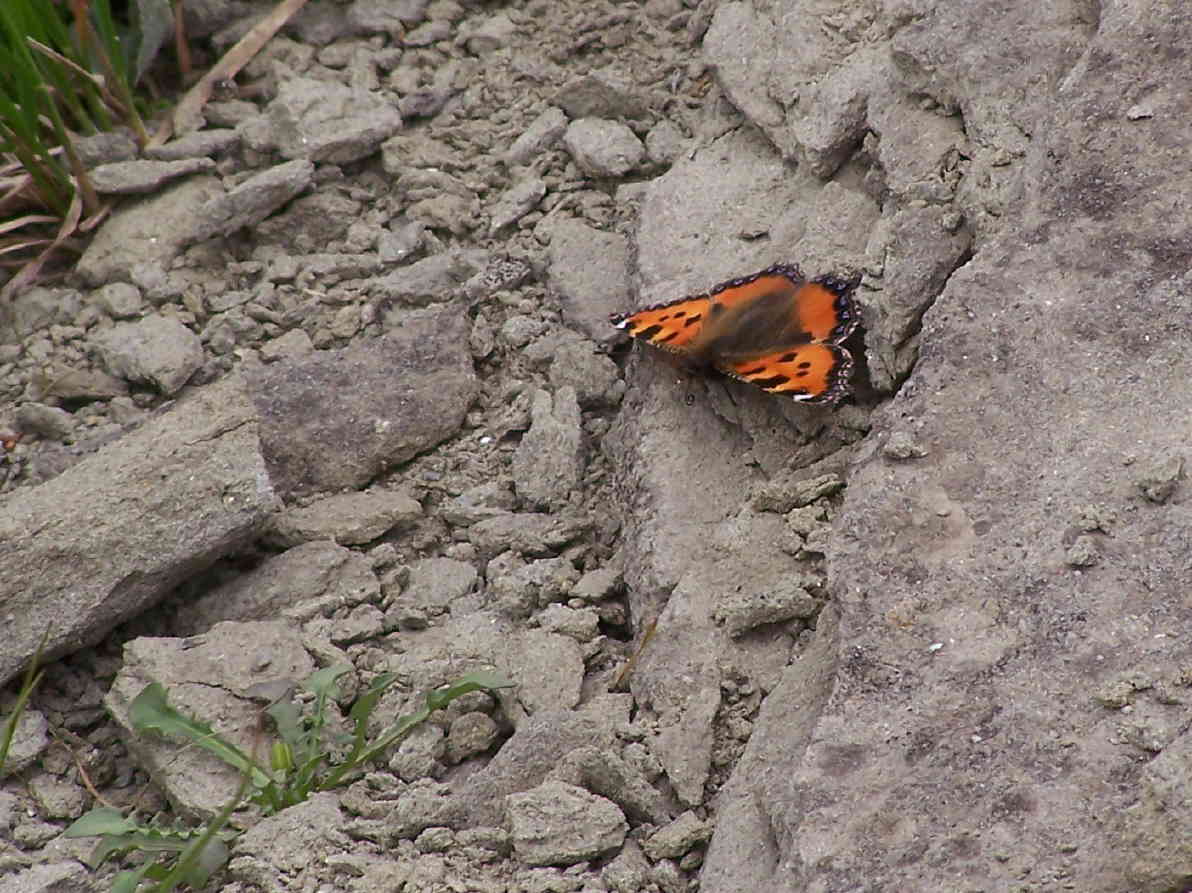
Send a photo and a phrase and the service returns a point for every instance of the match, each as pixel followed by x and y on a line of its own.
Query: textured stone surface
pixel 157 351
pixel 560 824
pixel 212 677
pixel 549 460
pixel 335 419
pixel 144 514
pixel 959 631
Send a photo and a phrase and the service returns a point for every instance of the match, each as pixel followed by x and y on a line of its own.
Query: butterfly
pixel 774 329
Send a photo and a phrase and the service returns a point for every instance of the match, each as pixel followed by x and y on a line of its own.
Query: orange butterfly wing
pixel 773 329
pixel 813 373
pixel 669 326
pixel 825 310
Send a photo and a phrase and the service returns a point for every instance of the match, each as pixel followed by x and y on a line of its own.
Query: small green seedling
pixel 302 761
pixel 33 674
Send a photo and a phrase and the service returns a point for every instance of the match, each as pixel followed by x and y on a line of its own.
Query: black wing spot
pixel 772 382
pixel 648 333
pixel 693 320
pixel 787 357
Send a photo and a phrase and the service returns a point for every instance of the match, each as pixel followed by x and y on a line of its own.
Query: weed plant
pixel 63 75
pixel 306 758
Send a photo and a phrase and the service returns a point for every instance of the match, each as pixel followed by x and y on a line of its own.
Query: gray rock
pixel 350 519
pixel 664 142
pixel 519 330
pixel 212 677
pixel 57 798
pixel 598 585
pixel 10 807
pixel 836 121
pixel 956 571
pixel 392 17
pixel 289 843
pixel 427 34
pixel 322 120
pixel 302 582
pixel 499 274
pixel 547 668
pixel 537 746
pixel 543 132
pixel 515 203
pixel 920 254
pixel 436 582
pixel 199 144
pixel 589 271
pixel 1158 482
pixel 600 95
pixel 157 350
pixel 408 391
pixel 628 872
pixel 252 201
pixel 35 834
pixel 210 494
pixel 548 462
pixel 52 877
pixel 606 774
pixel 29 739
pixel 603 148
pixel 435 840
pixel 420 754
pixel 431 280
pixel 742 555
pixel 106 147
pixel 471 734
pixel 120 300
pixel 321 26
pixel 901 446
pixel 518 589
pixel 141 176
pixel 362 623
pixel 425 103
pixel 148 232
pixel 529 533
pixel 1160 801
pixel 489 34
pixel 291 344
pixel 595 378
pixel 487 500
pixel 918 146
pixel 581 624
pixel 676 838
pixel 38 308
pixel 745 610
pixel 424 804
pixel 48 422
pixel 560 824
pixel 403 239
pixel 309 225
pixel 87 385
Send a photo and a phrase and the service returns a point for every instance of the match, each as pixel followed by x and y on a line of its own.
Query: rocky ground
pixel 337 386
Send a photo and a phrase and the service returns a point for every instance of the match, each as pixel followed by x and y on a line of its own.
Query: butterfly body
pixel 774 329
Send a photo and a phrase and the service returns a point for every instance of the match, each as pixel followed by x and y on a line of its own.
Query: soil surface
pixel 335 384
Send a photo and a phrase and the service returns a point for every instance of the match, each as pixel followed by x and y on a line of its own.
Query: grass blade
pixel 151 710
pixel 32 677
